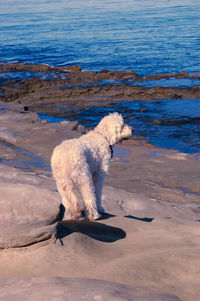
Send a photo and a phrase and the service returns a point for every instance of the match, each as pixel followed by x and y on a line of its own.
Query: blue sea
pixel 148 37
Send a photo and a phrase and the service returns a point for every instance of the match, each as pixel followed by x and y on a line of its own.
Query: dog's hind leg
pixel 72 207
pixel 69 201
pixel 88 193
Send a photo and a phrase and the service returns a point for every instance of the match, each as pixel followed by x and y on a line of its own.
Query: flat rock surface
pixel 148 240
pixel 56 288
pixel 27 142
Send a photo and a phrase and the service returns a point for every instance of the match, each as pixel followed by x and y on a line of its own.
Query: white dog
pixel 80 166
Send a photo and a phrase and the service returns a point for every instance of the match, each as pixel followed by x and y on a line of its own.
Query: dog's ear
pixel 118 130
pixel 117 134
pixel 114 133
pixel 110 126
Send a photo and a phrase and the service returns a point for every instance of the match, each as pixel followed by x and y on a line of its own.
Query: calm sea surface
pixel 142 35
pixel 146 36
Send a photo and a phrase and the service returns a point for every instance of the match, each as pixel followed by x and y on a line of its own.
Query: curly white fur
pixel 80 166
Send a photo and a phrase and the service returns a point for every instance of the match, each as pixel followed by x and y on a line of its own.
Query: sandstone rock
pixel 130 74
pixel 195 75
pixel 29 213
pixel 77 84
pixel 26 67
pixel 166 75
pixel 87 75
pixel 6 135
pixel 104 71
pixel 72 68
pixel 182 75
pixel 158 76
pixel 139 241
pixel 117 74
pixel 67 289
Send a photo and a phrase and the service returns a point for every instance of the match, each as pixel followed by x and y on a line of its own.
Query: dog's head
pixel 113 128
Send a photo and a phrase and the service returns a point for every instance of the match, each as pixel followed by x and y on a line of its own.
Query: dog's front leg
pixel 99 183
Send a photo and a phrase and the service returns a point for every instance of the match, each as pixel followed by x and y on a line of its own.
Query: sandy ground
pixel 146 247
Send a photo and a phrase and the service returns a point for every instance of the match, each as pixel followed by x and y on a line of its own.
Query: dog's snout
pixel 126 131
pixel 130 128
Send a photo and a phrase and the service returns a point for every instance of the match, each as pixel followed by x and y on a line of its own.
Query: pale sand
pixel 150 240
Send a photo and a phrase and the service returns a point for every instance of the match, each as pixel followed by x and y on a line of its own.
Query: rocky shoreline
pixel 72 83
pixel 146 246
pixel 151 198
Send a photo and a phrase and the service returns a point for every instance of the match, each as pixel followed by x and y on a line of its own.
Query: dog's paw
pixel 92 215
pixel 101 210
pixel 68 216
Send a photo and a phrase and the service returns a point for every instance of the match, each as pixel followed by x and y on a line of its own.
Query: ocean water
pixel 146 36
pixel 173 124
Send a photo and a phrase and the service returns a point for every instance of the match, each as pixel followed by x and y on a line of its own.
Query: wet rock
pixel 26 67
pixel 88 76
pixel 72 68
pixel 158 76
pixel 117 74
pixel 182 75
pixel 166 75
pixel 51 92
pixel 176 96
pixel 195 75
pixel 104 71
pixel 130 75
pixel 143 109
pixel 123 74
pixel 79 84
pixel 157 122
